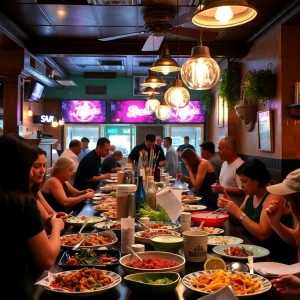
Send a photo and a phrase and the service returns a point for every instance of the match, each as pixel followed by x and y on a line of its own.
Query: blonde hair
pixel 63 163
pixel 294 203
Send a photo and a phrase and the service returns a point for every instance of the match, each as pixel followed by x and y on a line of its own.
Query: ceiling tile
pixel 83 32
pixel 76 15
pixel 42 31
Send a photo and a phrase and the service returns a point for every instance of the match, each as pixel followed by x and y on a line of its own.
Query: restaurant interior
pixel 74 68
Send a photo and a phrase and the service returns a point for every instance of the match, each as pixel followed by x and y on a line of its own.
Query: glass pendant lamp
pixel 163 111
pixel 54 123
pixel 177 96
pixel 61 122
pixel 149 91
pixel 153 81
pixel 152 103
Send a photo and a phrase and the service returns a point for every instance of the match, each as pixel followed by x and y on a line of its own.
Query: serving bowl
pixel 213 220
pixel 167 243
pixel 136 282
pixel 139 238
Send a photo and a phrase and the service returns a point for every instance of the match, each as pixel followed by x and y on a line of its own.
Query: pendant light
pixel 163 111
pixel 152 103
pixel 177 96
pixel 149 91
pixel 200 72
pixel 54 122
pixel 153 80
pixel 223 13
pixel 61 122
pixel 29 111
pixel 165 64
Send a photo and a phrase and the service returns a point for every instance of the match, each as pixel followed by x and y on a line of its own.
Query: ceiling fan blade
pixel 184 18
pixel 195 33
pixel 153 43
pixel 120 36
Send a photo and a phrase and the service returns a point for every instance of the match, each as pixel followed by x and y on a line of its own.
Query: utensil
pixel 86 237
pixel 83 225
pixel 143 224
pixel 134 253
pixel 218 215
pixel 200 226
pixel 219 209
pixel 250 262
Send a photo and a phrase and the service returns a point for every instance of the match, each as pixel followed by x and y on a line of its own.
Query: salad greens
pixel 158 281
pixel 160 214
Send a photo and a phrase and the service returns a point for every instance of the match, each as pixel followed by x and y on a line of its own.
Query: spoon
pixel 200 226
pixel 150 229
pixel 134 253
pixel 83 225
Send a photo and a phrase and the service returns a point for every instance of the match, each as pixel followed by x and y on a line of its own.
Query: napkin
pixel 222 294
pixel 171 201
pixel 273 268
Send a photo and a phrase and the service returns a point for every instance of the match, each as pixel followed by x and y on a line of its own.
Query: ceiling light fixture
pixel 163 111
pixel 153 80
pixel 165 64
pixel 177 96
pixel 152 103
pixel 223 13
pixel 149 91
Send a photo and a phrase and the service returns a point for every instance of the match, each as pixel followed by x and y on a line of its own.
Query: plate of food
pixel 164 225
pixel 93 242
pixel 223 240
pixel 152 261
pixel 145 236
pixel 111 214
pixel 78 221
pixel 189 207
pixel 242 284
pixel 103 259
pixel 70 282
pixel 241 252
pixel 105 206
pixel 184 191
pixel 108 188
pixel 112 225
pixel 108 201
pixel 210 230
pixel 111 180
pixel 190 199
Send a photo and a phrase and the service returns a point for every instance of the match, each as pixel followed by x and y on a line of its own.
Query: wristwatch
pixel 242 217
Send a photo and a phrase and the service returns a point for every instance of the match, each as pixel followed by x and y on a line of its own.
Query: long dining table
pixel 122 292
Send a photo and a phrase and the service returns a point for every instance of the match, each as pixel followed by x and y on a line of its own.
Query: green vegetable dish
pixel 158 281
pixel 160 214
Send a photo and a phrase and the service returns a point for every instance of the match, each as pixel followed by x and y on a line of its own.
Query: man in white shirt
pixel 228 178
pixel 84 148
pixel 73 152
pixel 171 157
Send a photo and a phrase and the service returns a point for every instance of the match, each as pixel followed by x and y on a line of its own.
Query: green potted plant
pixel 229 88
pixel 261 85
pixel 207 100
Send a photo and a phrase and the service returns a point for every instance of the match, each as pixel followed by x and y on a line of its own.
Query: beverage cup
pixel 185 221
pixel 145 220
pixel 138 247
pixel 195 245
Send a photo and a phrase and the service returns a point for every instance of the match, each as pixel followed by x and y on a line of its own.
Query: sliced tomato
pixel 72 261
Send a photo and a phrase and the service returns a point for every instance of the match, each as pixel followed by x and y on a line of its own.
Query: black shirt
pixel 135 153
pixel 109 163
pixel 88 167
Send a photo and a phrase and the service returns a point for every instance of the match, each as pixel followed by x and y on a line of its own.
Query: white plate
pixel 223 240
pixel 77 221
pixel 105 215
pixel 265 283
pixel 165 225
pixel 111 180
pixel 194 207
pixel 193 200
pixel 183 191
pixel 144 240
pixel 210 230
pixel 116 279
pixel 101 207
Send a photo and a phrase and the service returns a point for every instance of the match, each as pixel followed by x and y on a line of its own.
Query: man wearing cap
pixel 84 148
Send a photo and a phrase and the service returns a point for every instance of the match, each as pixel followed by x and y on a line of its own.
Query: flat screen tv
pixel 34 91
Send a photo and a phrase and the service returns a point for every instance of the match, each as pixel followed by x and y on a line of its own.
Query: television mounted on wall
pixel 34 91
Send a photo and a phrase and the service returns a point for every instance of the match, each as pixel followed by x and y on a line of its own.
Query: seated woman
pixel 254 178
pixel 37 176
pixel 58 192
pixel 201 176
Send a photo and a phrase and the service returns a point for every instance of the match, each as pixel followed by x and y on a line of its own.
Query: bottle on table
pixel 140 195
pixel 151 192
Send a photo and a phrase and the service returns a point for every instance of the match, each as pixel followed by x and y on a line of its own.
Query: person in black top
pixel 88 172
pixel 147 145
pixel 110 163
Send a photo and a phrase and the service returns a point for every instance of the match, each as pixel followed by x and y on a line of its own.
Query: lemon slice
pixel 215 263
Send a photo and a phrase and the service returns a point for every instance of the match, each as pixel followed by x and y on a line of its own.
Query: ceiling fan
pixel 160 23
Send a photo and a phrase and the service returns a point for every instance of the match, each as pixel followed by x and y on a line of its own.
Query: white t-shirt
pixel 69 153
pixel 229 178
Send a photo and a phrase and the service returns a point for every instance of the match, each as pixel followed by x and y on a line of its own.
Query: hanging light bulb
pixel 152 103
pixel 54 123
pixel 61 122
pixel 223 13
pixel 165 64
pixel 163 111
pixel 149 91
pixel 177 96
pixel 29 111
pixel 153 81
pixel 200 72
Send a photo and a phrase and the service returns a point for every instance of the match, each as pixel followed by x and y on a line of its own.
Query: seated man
pixel 110 163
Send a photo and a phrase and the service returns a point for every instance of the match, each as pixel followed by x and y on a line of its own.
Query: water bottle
pixel 140 195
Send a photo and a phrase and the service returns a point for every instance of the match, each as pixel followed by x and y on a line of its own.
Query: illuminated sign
pixel 192 113
pixel 45 119
pixel 84 111
pixel 130 111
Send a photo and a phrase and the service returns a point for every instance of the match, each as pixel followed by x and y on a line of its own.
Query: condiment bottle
pixel 140 195
pixel 127 234
pixel 151 192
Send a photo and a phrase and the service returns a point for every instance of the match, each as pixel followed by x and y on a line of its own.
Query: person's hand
pixel 179 176
pixel 57 222
pixel 287 284
pixel 88 191
pixel 62 216
pixel 217 188
pixel 273 213
pixel 107 176
pixel 118 169
pixel 89 195
pixel 230 206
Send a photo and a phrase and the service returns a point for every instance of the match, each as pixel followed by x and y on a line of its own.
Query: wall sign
pixel 84 111
pixel 192 113
pixel 45 119
pixel 130 111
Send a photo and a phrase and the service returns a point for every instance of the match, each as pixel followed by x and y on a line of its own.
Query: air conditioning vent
pixel 95 89
pixel 145 64
pixel 111 62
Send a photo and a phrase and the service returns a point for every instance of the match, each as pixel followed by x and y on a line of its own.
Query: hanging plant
pixel 261 84
pixel 207 101
pixel 229 88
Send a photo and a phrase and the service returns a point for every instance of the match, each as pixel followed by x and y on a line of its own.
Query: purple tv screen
pixel 130 111
pixel 192 113
pixel 84 111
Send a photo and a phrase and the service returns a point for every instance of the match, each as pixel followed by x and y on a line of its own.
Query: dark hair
pixel 37 186
pixel 150 137
pixel 186 138
pixel 85 140
pixel 168 139
pixel 102 141
pixel 208 146
pixel 15 172
pixel 75 143
pixel 192 158
pixel 255 169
